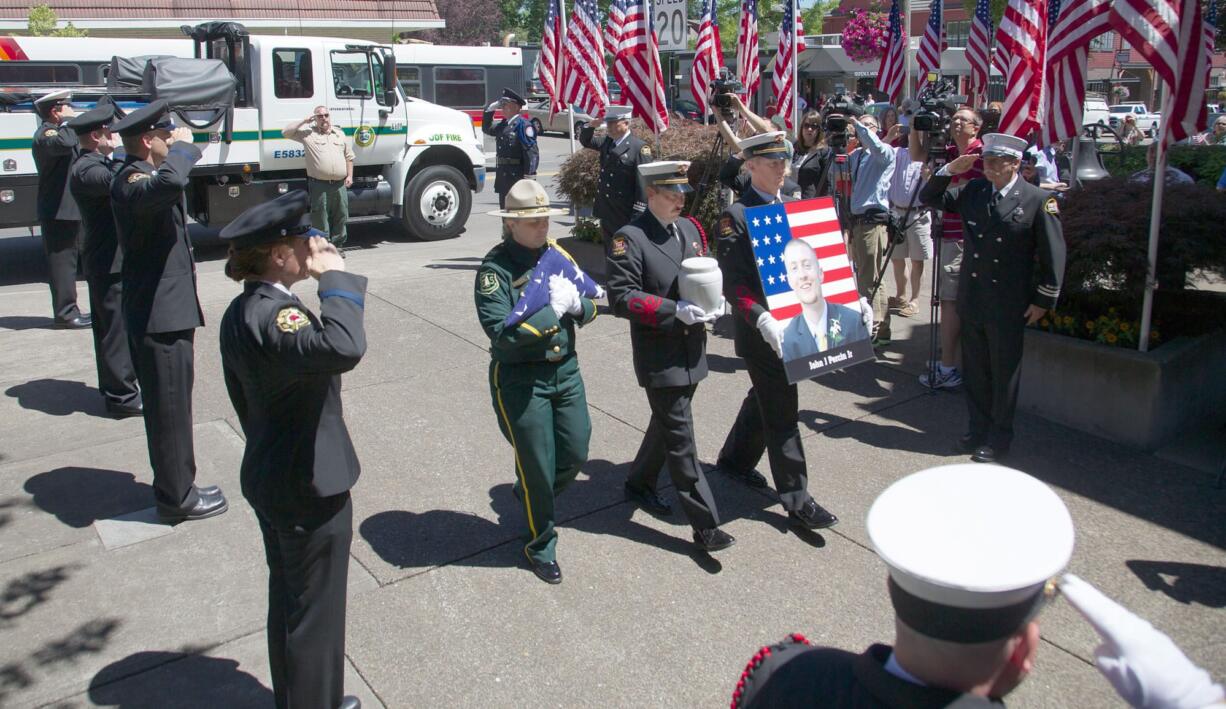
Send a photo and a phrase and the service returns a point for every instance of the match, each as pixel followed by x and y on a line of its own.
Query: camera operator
pixel 872 170
pixel 914 220
pixel 964 131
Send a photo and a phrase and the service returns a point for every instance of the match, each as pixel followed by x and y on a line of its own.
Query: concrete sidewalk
pixel 101 608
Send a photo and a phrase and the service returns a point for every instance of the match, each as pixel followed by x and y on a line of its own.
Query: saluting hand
pixel 323 257
pixel 961 164
pixel 182 133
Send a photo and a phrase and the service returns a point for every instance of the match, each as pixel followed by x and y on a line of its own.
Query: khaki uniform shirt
pixel 326 153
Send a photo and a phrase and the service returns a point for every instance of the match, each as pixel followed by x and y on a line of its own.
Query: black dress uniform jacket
pixel 159 272
pixel 1013 253
pixel 619 195
pixel 55 148
pixel 742 285
pixel 644 265
pixel 799 676
pixel 90 184
pixel 515 145
pixel 282 367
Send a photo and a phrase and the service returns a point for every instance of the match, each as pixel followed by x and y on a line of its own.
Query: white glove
pixel 772 332
pixel 564 296
pixel 691 314
pixel 866 314
pixel 1145 667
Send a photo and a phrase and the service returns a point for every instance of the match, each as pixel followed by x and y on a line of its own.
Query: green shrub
pixel 1203 162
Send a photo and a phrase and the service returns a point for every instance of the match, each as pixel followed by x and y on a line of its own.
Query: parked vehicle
pixel 538 113
pixel 1147 122
pixel 415 162
pixel 1095 111
pixel 463 78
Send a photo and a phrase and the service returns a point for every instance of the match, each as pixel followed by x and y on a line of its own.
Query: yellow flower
pixel 1111 338
pixel 1090 325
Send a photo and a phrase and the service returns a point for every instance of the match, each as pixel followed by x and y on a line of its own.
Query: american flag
pixel 1068 51
pixel 932 43
pixel 784 75
pixel 748 71
pixel 536 294
pixel 1170 34
pixel 584 84
pixel 979 48
pixel 892 71
pixel 637 66
pixel 613 28
pixel 708 57
pixel 1023 33
pixel 549 70
pixel 815 222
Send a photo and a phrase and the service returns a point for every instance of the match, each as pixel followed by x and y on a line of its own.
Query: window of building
pixel 292 72
pixel 32 73
pixel 1104 42
pixel 410 79
pixel 351 75
pixel 956 32
pixel 459 87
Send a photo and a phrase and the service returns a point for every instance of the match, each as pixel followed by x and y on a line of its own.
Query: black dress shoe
pixel 547 571
pixel 123 411
pixel 649 500
pixel 78 323
pixel 713 539
pixel 207 505
pixel 350 702
pixel 989 454
pixel 813 516
pixel 969 442
pixel 210 490
pixel 748 476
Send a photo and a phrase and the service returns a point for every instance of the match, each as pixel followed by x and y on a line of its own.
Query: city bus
pixel 464 78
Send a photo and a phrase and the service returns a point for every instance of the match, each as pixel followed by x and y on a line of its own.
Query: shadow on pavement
pixel 724 365
pixel 1183 582
pixel 177 679
pixel 58 397
pixel 25 322
pixel 78 497
pixel 28 591
pixel 87 639
pixel 462 263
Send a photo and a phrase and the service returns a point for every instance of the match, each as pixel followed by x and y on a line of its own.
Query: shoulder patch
pixel 290 319
pixel 137 177
pixel 618 247
pixel 1050 206
pixel 646 152
pixel 725 225
pixel 487 282
pixel 529 130
pixel 50 133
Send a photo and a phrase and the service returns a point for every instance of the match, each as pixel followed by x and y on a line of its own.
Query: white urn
pixel 701 282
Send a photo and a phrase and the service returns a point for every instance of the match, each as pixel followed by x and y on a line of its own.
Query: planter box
pixel 589 256
pixel 1142 399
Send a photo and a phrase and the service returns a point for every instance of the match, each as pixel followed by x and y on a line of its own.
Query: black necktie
pixel 995 201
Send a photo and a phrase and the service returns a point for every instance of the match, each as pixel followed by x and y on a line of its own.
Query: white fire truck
pixel 415 162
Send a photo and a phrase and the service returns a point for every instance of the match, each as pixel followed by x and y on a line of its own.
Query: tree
pixel 995 7
pixel 469 22
pixel 42 22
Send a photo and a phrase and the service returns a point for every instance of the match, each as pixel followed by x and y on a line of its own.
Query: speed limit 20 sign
pixel 670 24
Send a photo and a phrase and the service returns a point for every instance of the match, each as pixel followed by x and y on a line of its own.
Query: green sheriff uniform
pixel 536 389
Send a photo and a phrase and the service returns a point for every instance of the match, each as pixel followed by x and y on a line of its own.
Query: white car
pixel 538 113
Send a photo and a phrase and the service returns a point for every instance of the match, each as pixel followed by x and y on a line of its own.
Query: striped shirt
pixel 952 223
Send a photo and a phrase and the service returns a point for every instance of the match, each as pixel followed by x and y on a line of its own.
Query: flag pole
pixel 570 110
pixel 906 50
pixel 653 58
pixel 1155 218
pixel 795 66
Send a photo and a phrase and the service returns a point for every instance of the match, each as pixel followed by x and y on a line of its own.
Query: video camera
pixel 723 90
pixel 835 117
pixel 934 106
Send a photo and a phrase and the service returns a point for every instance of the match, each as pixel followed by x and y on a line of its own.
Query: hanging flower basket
pixel 865 36
pixel 1120 92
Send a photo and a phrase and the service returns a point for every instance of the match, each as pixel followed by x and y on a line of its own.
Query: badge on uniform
pixel 1050 206
pixel 487 283
pixel 725 226
pixel 50 133
pixel 291 320
pixel 137 177
pixel 619 246
pixel 646 152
